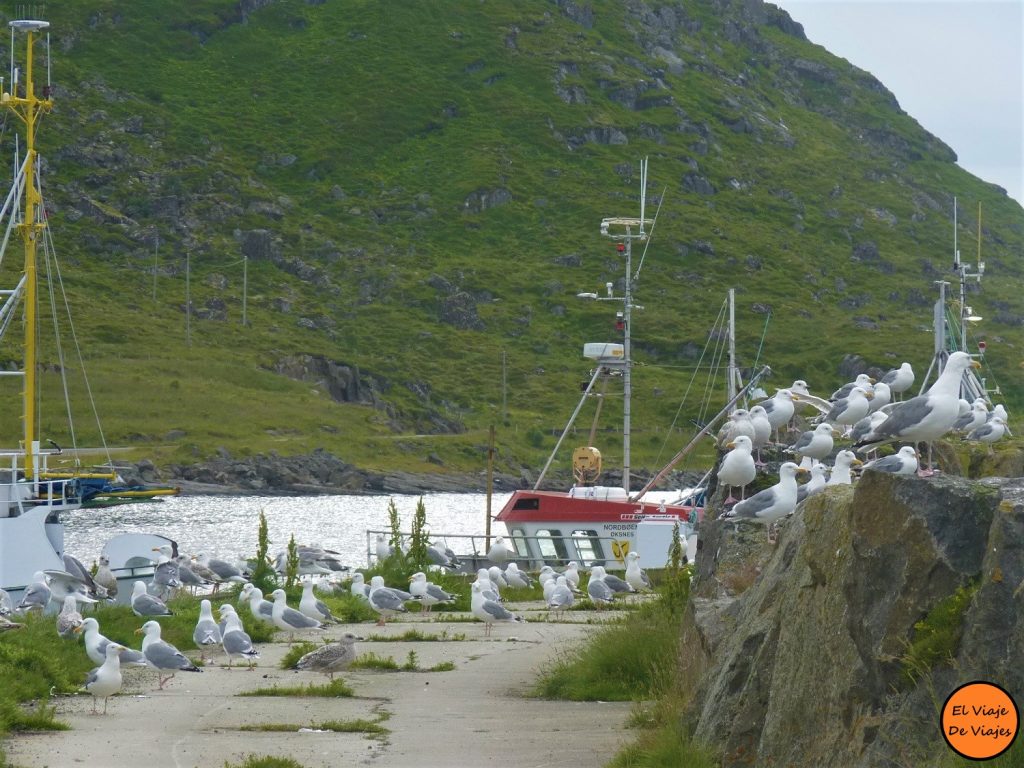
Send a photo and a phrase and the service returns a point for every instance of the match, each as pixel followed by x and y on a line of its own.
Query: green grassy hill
pixel 416 189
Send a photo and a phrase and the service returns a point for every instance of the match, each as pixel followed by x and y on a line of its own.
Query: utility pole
pixel 504 386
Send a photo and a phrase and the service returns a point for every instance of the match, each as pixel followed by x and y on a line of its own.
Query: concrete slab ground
pixel 475 715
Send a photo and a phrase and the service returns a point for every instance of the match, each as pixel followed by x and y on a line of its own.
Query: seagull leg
pixel 730 499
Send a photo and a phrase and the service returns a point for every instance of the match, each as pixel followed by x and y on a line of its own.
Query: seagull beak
pixel 730 445
pixel 872 380
pixel 79 629
pixel 139 631
pixel 869 395
pixel 796 397
pixel 803 471
pixel 975 364
pixel 857 462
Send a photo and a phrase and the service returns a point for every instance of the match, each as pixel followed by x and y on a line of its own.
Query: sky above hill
pixel 956 66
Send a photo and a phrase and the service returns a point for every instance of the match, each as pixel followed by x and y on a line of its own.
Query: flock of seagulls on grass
pixel 864 412
pixel 227 634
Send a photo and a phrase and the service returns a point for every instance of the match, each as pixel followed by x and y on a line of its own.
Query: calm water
pixel 227 526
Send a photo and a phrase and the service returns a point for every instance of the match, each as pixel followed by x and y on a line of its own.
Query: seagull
pixel 779 409
pixel 815 444
pixel 187 576
pixel 903 462
pixel 330 658
pixel 840 474
pixel 863 381
pixel 489 611
pixel 615 584
pixel 773 503
pixel 428 593
pixel 926 417
pixel 490 590
pixel 516 578
pixel 851 408
pixel 597 589
pixel 206 632
pixel 313 608
pixel 572 575
pixel 359 588
pixel 438 555
pixel 37 594
pixel 977 416
pixel 737 468
pixel 385 600
pixel 76 568
pixel 262 610
pixel 234 639
pixel 881 396
pixel 383 549
pixel 225 570
pixel 989 432
pixel 144 604
pixel 96 645
pixel 289 618
pixel 161 655
pixel 6 604
pixel 499 551
pixel 762 429
pixel 865 425
pixel 635 575
pixel 166 575
pixel 560 597
pixel 104 681
pixel 815 485
pixel 899 380
pixel 739 423
pixel 497 577
pixel 69 618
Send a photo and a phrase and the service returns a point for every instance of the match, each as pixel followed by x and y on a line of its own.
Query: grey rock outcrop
pixel 798 653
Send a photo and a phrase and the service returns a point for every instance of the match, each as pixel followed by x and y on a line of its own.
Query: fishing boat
pixel 596 524
pixel 33 493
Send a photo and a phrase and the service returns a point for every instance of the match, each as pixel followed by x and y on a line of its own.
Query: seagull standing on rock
pixel 926 417
pixel 737 468
pixel 779 409
pixel 899 380
pixel 815 444
pixel 771 504
pixel 903 462
pixel 841 474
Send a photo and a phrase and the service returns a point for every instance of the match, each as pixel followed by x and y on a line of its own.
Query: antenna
pixel 643 192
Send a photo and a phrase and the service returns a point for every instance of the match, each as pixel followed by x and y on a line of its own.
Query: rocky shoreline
pixel 322 473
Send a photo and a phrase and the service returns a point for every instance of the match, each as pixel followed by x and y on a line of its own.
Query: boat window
pixel 529 502
pixel 551 545
pixel 519 542
pixel 588 547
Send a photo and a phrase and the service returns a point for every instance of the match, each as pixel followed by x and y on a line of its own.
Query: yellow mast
pixel 29 109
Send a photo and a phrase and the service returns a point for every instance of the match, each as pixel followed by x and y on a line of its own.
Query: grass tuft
pixel 333 689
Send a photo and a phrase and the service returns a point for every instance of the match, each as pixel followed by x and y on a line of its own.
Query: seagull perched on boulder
pixel 926 417
pixel 737 468
pixel 773 503
pixel 903 462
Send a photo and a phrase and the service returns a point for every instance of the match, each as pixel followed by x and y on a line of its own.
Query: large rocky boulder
pixel 835 646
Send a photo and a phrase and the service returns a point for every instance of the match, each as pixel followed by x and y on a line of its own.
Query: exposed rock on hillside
pixel 810 652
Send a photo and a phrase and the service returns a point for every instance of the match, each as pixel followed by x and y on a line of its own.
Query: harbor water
pixel 227 527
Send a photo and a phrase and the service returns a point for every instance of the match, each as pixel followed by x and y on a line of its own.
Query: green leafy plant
pixel 263 575
pixel 292 564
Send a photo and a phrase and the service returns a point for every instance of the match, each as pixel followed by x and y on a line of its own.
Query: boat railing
pixel 530 552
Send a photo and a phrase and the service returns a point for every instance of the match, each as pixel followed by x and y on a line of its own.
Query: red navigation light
pixel 620 247
pixel 981 346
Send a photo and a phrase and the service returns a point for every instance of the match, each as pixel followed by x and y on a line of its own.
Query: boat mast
pixel 734 378
pixel 29 109
pixel 626 231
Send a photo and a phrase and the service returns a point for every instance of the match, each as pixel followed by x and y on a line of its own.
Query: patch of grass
pixel 388 664
pixel 254 761
pixel 372 727
pixel 663 743
pixel 937 635
pixel 416 636
pixel 333 689
pixel 630 659
pixel 296 652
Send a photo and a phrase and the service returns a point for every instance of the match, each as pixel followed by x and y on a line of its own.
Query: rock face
pixel 799 653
